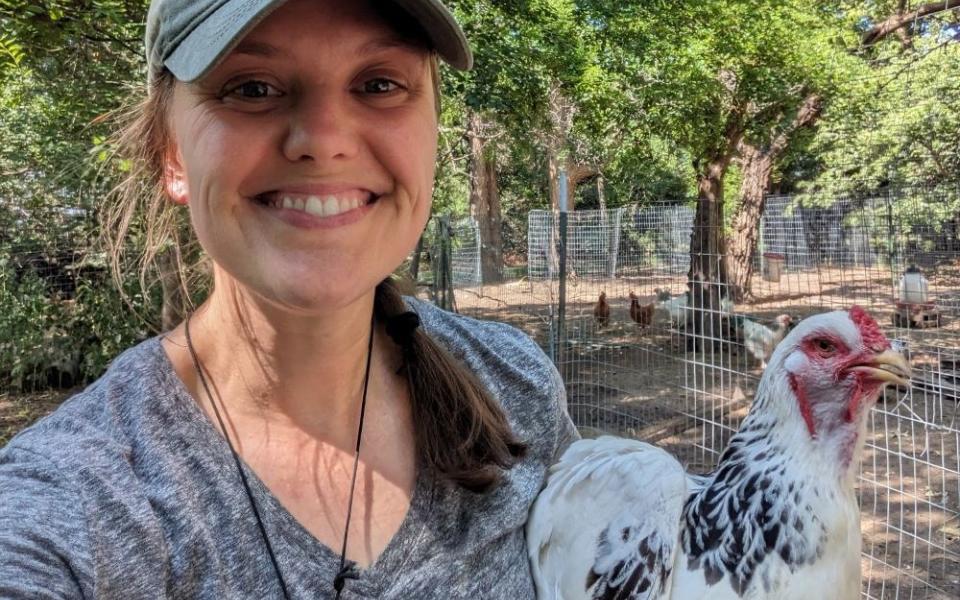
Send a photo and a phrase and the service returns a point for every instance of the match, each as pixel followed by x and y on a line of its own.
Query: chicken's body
pixel 777 519
pixel 601 311
pixel 641 314
pixel 676 306
pixel 760 340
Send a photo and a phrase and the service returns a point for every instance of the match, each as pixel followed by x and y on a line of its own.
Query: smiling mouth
pixel 321 205
pixel 888 367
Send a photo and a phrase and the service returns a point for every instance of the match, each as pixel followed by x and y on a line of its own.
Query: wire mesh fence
pixel 634 371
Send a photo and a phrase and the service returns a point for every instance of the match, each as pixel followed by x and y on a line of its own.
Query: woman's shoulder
pixel 513 368
pixel 492 350
pixel 73 484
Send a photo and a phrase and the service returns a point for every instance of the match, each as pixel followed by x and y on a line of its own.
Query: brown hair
pixel 460 431
pixel 138 207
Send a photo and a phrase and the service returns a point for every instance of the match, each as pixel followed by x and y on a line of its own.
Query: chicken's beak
pixel 886 367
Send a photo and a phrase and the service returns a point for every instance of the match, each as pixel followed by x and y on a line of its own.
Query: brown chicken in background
pixel 642 314
pixel 601 310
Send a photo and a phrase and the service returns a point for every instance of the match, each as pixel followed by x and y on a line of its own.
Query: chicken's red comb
pixel 869 330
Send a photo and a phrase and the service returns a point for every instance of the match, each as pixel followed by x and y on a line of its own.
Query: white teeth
pixel 320 206
pixel 314 206
pixel 331 207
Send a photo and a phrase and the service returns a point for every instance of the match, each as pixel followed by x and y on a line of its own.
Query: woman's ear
pixel 174 179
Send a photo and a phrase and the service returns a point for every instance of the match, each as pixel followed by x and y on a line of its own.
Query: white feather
pixel 599 484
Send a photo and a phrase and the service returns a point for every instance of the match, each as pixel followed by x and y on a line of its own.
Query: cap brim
pixel 213 38
pixel 444 32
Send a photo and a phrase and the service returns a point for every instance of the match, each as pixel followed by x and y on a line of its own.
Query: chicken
pixel 601 311
pixel 676 306
pixel 641 314
pixel 778 518
pixel 760 340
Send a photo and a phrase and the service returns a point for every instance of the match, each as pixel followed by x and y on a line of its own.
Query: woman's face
pixel 307 156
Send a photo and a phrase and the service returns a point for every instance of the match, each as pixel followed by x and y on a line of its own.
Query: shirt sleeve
pixel 42 529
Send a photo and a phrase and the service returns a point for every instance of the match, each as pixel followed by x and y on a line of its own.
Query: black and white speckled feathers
pixel 754 506
pixel 642 571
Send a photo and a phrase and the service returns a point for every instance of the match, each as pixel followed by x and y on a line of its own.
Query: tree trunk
pixel 575 173
pixel 707 275
pixel 757 168
pixel 490 220
pixel 485 201
pixel 601 200
pixel 706 241
pixel 757 165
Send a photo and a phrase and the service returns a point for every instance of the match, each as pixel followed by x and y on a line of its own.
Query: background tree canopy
pixel 712 103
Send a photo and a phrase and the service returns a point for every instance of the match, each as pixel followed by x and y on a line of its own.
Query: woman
pixel 306 432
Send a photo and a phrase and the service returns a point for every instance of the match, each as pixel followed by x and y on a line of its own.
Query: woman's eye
pixel 380 86
pixel 253 90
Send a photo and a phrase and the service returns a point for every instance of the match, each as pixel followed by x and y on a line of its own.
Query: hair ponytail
pixel 460 430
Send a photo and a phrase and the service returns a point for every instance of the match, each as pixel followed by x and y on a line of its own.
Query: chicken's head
pixel 828 372
pixel 784 321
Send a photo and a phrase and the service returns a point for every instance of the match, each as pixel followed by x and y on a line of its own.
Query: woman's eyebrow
pixel 386 43
pixel 254 48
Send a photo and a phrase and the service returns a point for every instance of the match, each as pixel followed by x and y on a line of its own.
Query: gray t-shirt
pixel 128 491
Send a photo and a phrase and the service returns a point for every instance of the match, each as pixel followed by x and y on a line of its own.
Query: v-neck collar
pixel 281 525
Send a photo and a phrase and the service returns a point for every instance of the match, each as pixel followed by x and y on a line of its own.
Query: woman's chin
pixel 305 290
pixel 318 300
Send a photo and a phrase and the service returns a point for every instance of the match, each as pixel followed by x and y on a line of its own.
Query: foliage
pixel 899 126
pixel 651 89
pixel 62 319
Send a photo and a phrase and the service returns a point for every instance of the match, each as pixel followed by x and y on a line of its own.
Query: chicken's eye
pixel 824 347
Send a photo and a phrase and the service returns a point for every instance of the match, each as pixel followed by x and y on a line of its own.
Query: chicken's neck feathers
pixel 768 496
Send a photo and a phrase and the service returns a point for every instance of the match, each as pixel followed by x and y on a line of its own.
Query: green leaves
pixel 11 53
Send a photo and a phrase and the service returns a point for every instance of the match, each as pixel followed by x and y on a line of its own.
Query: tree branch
pixel 900 20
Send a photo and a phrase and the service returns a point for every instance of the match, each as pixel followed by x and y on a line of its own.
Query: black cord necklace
pixel 345 571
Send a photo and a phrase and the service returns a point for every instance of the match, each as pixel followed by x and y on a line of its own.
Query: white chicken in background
pixel 760 340
pixel 778 518
pixel 913 286
pixel 676 306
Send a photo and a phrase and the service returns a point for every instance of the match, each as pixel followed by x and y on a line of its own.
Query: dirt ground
pixel 20 410
pixel 646 384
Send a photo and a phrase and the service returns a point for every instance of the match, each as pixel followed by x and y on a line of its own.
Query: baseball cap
pixel 189 37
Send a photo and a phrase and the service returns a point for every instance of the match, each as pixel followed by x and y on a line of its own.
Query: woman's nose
pixel 321 129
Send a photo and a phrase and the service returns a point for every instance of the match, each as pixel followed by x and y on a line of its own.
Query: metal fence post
pixel 562 308
pixel 891 240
